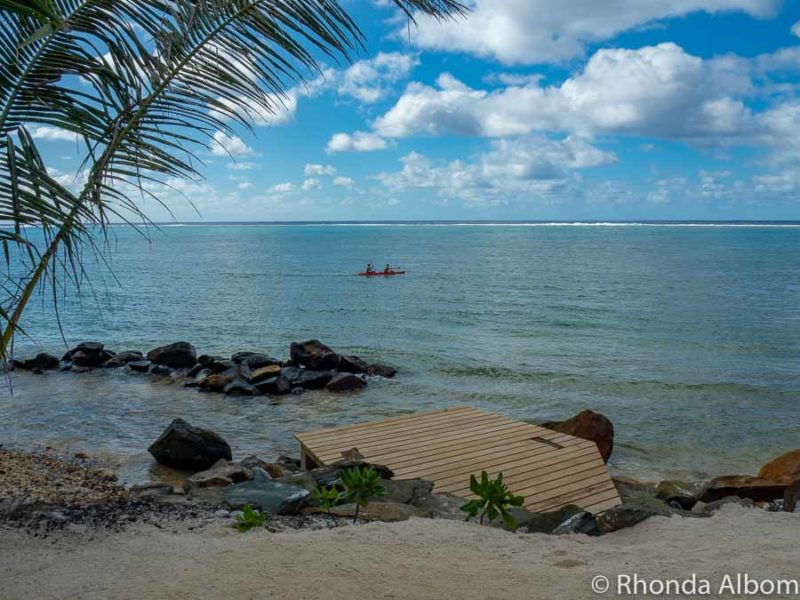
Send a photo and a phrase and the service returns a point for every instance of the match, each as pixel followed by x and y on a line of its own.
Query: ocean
pixel 686 335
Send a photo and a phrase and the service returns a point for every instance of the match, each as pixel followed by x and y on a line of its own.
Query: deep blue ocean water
pixel 687 337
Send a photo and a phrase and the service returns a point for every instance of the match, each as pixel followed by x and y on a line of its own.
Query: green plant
pixel 141 86
pixel 328 497
pixel 494 499
pixel 361 485
pixel 249 518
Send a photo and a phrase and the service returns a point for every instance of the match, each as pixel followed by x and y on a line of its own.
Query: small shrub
pixel 249 518
pixel 361 485
pixel 328 497
pixel 494 499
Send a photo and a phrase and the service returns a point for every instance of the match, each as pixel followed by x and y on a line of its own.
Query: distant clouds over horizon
pixel 525 109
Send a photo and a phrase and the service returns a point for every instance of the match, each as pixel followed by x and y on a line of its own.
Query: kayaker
pixel 386 269
pixel 370 268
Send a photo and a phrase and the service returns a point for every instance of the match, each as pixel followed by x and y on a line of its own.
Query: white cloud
pixel 538 31
pixel 241 166
pixel 796 29
pixel 344 181
pixel 245 185
pixel 370 80
pixel 45 132
pixel 359 141
pixel 656 90
pixel 282 188
pixel 512 170
pixel 312 183
pixel 229 145
pixel 312 169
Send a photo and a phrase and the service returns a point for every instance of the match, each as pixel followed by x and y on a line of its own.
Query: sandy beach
pixel 417 559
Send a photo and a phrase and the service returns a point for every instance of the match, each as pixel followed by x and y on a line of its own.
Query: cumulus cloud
pixel 318 170
pixel 45 132
pixel 359 141
pixel 538 31
pixel 655 90
pixel 312 183
pixel 532 167
pixel 370 80
pixel 344 181
pixel 245 185
pixel 796 29
pixel 282 188
pixel 223 144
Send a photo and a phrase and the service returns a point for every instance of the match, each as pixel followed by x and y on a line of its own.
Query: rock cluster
pixel 312 366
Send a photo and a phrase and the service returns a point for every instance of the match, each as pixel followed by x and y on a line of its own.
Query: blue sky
pixel 526 109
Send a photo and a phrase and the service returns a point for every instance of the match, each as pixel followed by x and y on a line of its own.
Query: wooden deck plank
pixel 548 468
pixel 418 447
pixel 425 431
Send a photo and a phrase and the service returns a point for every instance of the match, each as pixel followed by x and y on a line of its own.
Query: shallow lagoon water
pixel 688 338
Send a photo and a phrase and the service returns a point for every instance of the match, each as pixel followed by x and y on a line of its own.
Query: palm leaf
pixel 143 85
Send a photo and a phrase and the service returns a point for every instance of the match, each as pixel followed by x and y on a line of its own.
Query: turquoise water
pixel 688 338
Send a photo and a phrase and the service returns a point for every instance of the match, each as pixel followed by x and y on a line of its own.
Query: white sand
pixel 418 559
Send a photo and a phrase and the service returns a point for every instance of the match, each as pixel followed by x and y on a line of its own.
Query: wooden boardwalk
pixel 548 468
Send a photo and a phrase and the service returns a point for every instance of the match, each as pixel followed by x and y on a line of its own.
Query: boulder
pixel 314 355
pixel 706 509
pixel 180 355
pixel 308 379
pixel 301 479
pixel 548 522
pixel 265 372
pixel 159 370
pixel 381 371
pixel 183 446
pixel 277 386
pixel 120 359
pixel 622 517
pixel 406 491
pixel 743 486
pixel 387 512
pixel 140 366
pixel 352 364
pixel 273 470
pixel 88 354
pixel 441 506
pixel 222 473
pixel 786 467
pixel 215 383
pixel 263 493
pixel 257 361
pixel 345 382
pixel 588 425
pixel 682 493
pixel 240 387
pixel 288 463
pixel 197 379
pixel 331 474
pixel 41 362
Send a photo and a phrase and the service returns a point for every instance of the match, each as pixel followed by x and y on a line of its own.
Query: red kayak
pixel 377 273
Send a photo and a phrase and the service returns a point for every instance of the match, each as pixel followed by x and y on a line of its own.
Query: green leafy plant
pixel 361 485
pixel 249 518
pixel 328 497
pixel 493 500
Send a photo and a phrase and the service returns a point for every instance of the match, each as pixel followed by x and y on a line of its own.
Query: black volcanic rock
pixel 184 446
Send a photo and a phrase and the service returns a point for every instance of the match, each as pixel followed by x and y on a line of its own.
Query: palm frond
pixel 143 85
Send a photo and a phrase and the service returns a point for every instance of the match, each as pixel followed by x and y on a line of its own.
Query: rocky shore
pixel 311 366
pixel 43 492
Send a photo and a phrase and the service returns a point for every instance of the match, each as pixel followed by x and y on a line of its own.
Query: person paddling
pixel 370 268
pixel 387 268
